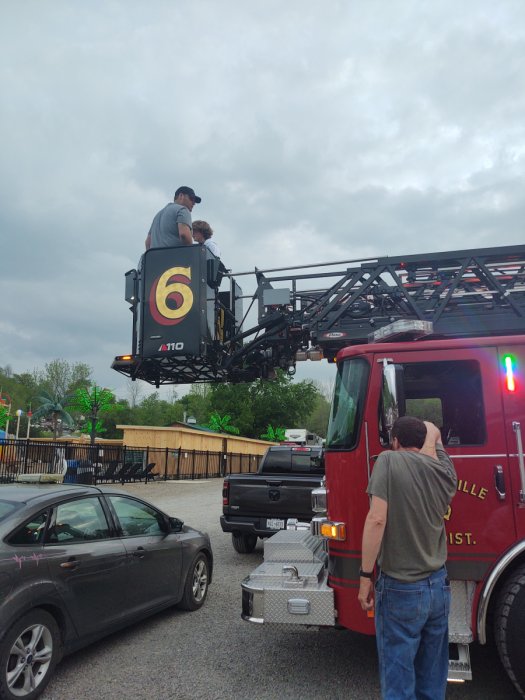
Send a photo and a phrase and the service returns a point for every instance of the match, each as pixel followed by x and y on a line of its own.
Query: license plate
pixel 275 524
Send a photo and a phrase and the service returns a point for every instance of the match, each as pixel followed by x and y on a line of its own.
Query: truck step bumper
pixel 290 586
pixel 459 668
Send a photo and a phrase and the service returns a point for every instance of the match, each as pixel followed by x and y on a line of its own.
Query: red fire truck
pixel 439 336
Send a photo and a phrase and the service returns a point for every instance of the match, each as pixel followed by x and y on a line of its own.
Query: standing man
pixel 172 225
pixel 410 488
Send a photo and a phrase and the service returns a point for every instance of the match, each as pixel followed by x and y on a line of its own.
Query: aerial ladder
pixel 189 326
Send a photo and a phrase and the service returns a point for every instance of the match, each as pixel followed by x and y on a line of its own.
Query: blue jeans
pixel 412 636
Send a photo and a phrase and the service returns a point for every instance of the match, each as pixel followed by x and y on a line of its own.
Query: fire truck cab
pixel 473 389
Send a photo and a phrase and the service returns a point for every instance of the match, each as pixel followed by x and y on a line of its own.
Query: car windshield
pixel 7 507
pixel 348 403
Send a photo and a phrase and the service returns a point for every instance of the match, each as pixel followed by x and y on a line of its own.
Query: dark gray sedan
pixel 79 562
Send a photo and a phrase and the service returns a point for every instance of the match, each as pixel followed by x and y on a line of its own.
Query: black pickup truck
pixel 257 505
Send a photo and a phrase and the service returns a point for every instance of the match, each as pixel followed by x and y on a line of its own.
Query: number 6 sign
pixel 171 297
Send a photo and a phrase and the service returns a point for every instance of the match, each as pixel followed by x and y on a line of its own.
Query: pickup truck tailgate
pixel 272 495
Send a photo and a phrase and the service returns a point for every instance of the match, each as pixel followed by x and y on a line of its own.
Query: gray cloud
pixel 313 132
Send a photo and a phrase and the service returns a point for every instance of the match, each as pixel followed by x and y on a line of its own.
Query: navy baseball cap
pixel 190 192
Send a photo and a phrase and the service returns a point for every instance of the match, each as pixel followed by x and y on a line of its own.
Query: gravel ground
pixel 211 654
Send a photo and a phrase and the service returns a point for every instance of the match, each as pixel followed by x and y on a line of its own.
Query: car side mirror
pixel 175 524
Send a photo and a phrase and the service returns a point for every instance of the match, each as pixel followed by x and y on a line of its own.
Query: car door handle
pixel 70 564
pixel 139 552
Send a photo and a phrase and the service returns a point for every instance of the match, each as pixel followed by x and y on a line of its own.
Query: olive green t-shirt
pixel 418 490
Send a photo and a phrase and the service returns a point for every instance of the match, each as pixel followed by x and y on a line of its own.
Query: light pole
pixel 29 414
pixel 18 415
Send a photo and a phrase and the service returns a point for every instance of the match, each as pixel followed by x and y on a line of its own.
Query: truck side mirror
pixel 392 397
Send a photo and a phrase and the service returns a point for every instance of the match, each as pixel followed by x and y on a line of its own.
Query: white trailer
pixel 301 436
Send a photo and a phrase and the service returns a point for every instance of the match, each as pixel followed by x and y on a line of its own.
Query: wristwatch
pixel 365 574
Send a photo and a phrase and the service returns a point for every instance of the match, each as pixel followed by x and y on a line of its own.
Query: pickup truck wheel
pixel 243 543
pixel 508 628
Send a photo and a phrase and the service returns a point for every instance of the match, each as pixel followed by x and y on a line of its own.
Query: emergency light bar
pixel 406 329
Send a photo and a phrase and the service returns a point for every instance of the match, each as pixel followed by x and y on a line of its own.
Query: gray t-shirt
pixel 418 490
pixel 164 229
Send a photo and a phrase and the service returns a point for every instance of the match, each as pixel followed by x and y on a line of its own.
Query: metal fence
pixel 26 460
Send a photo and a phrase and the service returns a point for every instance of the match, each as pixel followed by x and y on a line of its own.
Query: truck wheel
pixel 242 543
pixel 509 624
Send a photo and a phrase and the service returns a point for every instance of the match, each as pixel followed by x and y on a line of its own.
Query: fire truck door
pixel 512 373
pixel 459 390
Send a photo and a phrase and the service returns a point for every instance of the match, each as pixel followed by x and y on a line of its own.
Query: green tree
pixel 234 400
pixel 21 388
pixel 134 392
pixel 317 421
pixel 281 402
pixel 425 409
pixel 92 403
pixel 61 377
pixel 155 411
pixel 55 408
pixel 58 379
pixel 4 411
pixel 274 434
pixel 121 414
pixel 196 402
pixel 221 424
pixel 252 407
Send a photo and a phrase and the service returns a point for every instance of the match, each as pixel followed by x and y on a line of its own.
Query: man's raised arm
pixel 432 439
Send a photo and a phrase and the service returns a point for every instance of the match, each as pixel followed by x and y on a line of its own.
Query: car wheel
pixel 508 628
pixel 29 652
pixel 196 585
pixel 242 543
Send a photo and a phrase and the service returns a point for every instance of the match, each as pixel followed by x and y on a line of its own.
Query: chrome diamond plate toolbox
pixel 290 587
pixel 294 546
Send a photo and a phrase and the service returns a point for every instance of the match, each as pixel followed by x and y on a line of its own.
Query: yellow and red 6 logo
pixel 172 286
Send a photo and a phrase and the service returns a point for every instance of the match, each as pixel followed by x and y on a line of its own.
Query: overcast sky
pixel 314 131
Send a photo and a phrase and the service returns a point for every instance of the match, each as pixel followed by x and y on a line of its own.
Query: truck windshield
pixel 348 403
